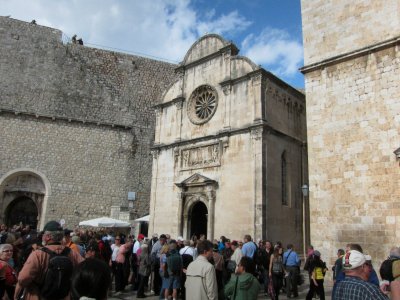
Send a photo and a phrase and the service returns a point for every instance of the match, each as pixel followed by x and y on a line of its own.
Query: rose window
pixel 202 104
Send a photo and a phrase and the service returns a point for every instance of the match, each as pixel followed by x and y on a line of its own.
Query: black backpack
pixel 386 269
pixel 57 281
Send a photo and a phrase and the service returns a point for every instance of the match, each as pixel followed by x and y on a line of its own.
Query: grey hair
pixel 55 236
pixel 395 252
pixel 5 247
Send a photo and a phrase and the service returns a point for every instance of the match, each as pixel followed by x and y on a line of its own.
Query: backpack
pixel 386 269
pixel 186 259
pixel 57 281
pixel 174 263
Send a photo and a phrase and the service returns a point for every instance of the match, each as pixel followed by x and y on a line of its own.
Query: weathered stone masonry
pixel 352 69
pixel 80 117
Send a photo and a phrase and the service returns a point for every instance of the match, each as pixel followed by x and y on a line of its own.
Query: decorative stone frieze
pixel 201 157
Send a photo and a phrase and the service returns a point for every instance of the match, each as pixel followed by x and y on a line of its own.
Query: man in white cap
pixel 355 286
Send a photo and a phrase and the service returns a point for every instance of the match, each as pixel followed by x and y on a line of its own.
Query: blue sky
pixel 267 31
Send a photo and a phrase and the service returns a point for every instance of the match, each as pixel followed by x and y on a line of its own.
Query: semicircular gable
pixel 241 65
pixel 206 45
pixel 174 91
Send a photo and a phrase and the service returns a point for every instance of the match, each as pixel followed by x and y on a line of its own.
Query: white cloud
pixel 226 23
pixel 164 29
pixel 275 49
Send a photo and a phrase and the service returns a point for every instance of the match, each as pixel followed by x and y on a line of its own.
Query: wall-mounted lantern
pixel 131 199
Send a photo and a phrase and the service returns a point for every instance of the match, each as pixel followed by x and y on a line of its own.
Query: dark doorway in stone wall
pixel 198 219
pixel 22 209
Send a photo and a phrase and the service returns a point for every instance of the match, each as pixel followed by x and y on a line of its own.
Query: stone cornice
pixel 264 74
pixel 66 119
pixel 226 133
pixel 350 55
pixel 228 48
pixel 169 103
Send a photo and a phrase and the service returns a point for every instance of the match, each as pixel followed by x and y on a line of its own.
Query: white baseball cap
pixel 353 259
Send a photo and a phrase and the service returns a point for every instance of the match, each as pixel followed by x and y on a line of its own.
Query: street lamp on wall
pixel 304 190
pixel 131 199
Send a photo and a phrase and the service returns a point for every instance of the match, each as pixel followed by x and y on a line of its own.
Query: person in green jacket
pixel 243 285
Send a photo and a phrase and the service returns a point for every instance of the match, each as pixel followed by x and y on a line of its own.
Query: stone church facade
pixel 352 71
pixel 229 156
pixel 76 126
pixel 215 145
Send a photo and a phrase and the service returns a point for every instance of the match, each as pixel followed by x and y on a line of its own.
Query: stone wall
pixel 81 116
pixel 332 27
pixel 40 74
pixel 353 127
pixel 353 104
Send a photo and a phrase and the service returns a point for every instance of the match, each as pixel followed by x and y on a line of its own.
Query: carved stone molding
pixel 179 102
pixel 201 156
pixel 158 111
pixel 155 153
pixel 256 133
pixel 227 89
pixel 225 141
pixel 256 79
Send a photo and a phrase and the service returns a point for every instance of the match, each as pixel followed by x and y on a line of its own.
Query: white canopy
pixel 104 222
pixel 143 219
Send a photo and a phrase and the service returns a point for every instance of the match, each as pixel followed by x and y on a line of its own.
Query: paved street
pixel 302 294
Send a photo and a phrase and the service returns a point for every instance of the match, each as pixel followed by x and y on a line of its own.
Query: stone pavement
pixel 303 289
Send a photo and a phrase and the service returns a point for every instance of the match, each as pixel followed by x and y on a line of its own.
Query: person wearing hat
pixel 355 285
pixel 33 272
pixel 67 241
pixel 317 269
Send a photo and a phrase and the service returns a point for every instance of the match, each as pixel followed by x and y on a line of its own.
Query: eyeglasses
pixel 6 251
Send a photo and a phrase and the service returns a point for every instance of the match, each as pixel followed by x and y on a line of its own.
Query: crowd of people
pixel 80 264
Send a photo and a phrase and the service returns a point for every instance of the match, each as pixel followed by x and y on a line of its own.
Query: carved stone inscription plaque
pixel 200 157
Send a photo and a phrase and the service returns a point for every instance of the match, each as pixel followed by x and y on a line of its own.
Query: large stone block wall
pixel 353 128
pixel 86 166
pixel 40 74
pixel 333 27
pixel 83 116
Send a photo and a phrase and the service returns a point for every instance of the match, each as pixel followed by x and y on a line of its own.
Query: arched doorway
pixel 22 209
pixel 18 189
pixel 198 219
